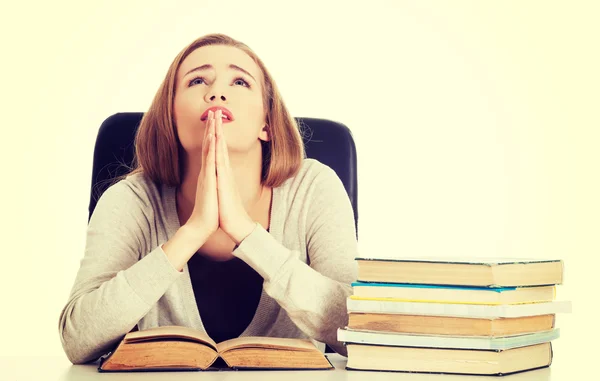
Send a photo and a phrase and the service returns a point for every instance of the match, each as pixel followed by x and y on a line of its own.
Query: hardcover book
pixel 182 348
pixel 443 341
pixel 355 304
pixel 453 294
pixel 461 272
pixel 444 360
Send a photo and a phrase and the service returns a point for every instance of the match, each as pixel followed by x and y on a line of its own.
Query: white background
pixel 476 125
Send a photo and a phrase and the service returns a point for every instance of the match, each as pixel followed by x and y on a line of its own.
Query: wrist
pixel 243 230
pixel 182 246
pixel 193 234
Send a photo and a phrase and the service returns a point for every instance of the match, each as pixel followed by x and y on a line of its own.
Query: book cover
pixel 383 358
pixel 458 310
pixel 481 272
pixel 444 341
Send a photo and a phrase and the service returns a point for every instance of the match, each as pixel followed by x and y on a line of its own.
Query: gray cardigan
pixel 306 261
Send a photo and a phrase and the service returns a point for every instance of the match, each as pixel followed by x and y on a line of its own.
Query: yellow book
pixel 479 272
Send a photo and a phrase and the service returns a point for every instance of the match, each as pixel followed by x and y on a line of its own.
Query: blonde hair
pixel 157 145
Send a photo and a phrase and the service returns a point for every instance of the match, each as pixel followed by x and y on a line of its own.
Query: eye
pixel 238 79
pixel 193 81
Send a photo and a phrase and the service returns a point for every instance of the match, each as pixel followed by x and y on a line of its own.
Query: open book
pixel 182 348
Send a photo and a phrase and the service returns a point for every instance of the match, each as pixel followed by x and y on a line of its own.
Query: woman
pixel 223 226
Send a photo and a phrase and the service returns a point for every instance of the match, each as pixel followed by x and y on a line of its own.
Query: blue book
pixel 428 293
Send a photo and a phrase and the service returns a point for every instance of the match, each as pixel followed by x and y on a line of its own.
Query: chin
pixel 239 148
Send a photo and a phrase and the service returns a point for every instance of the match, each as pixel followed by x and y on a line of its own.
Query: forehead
pixel 220 57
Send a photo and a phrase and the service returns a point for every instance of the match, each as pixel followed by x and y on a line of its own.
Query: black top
pixel 227 294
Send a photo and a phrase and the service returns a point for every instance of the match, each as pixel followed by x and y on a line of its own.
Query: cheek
pixel 255 111
pixel 187 121
pixel 184 109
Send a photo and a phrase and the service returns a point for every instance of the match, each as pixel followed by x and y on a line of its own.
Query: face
pixel 220 76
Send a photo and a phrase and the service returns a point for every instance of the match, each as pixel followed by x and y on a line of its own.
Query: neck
pixel 246 172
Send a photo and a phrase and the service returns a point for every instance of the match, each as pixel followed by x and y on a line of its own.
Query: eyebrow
pixel 209 66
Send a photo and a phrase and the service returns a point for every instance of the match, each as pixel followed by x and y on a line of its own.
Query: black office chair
pixel 329 142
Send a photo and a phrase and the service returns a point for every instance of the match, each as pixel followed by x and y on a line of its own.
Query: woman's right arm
pixel 113 288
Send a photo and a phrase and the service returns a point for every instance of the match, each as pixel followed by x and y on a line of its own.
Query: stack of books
pixel 488 317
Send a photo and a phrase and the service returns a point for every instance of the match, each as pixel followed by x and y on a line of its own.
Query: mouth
pixel 225 114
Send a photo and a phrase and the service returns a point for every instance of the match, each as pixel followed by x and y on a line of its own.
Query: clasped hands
pixel 218 203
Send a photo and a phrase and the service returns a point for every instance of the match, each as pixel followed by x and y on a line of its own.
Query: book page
pixel 170 332
pixel 266 342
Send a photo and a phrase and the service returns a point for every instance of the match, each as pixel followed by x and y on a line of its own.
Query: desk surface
pixel 59 368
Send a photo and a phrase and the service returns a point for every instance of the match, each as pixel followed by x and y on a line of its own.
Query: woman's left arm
pixel 314 295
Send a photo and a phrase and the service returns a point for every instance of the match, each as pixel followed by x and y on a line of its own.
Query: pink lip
pixel 214 109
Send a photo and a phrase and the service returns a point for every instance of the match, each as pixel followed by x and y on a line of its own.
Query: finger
pixel 218 138
pixel 219 124
pixel 219 155
pixel 219 119
pixel 222 143
pixel 203 176
pixel 205 148
pixel 214 139
pixel 213 128
pixel 221 148
pixel 206 127
pixel 225 151
pixel 207 132
pixel 215 150
pixel 210 163
pixel 205 142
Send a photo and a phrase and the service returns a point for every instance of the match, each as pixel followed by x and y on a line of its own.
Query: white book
pixel 458 310
pixel 350 336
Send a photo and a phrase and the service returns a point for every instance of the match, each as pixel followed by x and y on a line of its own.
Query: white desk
pixel 59 368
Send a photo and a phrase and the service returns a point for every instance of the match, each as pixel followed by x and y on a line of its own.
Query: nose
pixel 212 98
pixel 215 92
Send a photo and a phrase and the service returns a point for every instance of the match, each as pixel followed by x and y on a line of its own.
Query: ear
pixel 264 134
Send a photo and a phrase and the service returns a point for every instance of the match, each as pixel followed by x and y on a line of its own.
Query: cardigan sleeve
pixel 314 295
pixel 113 288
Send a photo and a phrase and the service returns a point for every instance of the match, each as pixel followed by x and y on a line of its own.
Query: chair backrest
pixel 329 142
